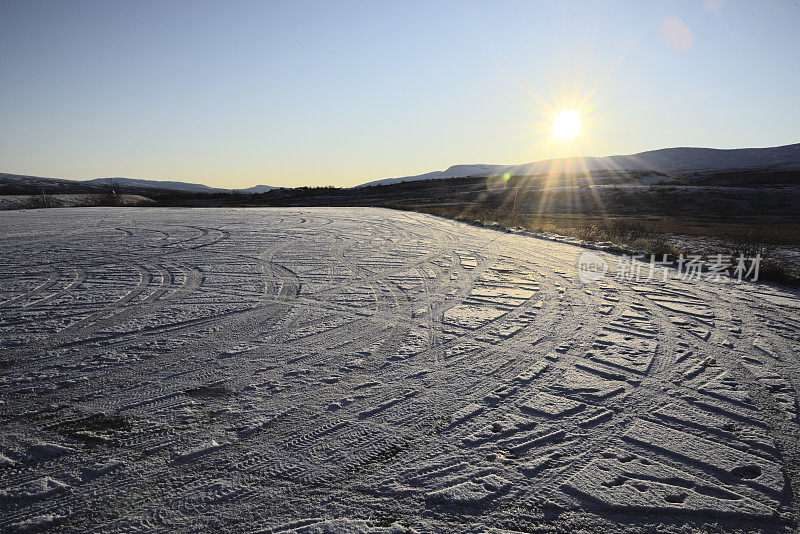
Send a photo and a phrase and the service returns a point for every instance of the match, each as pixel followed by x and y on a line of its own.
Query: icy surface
pixel 366 370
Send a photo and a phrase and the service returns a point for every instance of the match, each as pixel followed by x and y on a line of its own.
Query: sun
pixel 566 125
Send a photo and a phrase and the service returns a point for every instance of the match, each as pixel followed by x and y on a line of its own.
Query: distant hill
pixel 670 161
pixel 135 183
pixel 257 189
pixel 19 182
pixel 14 182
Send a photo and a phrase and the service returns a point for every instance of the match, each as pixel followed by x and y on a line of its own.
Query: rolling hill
pixel 19 183
pixel 674 162
pixel 670 161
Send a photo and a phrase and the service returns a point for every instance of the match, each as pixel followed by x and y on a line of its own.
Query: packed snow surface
pixel 366 370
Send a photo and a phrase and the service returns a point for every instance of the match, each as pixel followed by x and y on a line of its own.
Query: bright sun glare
pixel 566 125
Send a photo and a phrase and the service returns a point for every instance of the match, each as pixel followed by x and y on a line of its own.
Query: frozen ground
pixel 360 370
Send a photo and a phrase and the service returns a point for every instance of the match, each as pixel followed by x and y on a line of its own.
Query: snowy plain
pixel 367 370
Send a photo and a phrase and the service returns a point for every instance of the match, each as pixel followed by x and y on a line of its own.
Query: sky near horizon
pixel 291 93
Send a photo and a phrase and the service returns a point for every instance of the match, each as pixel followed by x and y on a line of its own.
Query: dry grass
pixel 646 235
pixel 619 231
pixel 43 200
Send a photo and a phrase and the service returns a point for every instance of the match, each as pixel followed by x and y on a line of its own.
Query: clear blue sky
pixel 295 93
